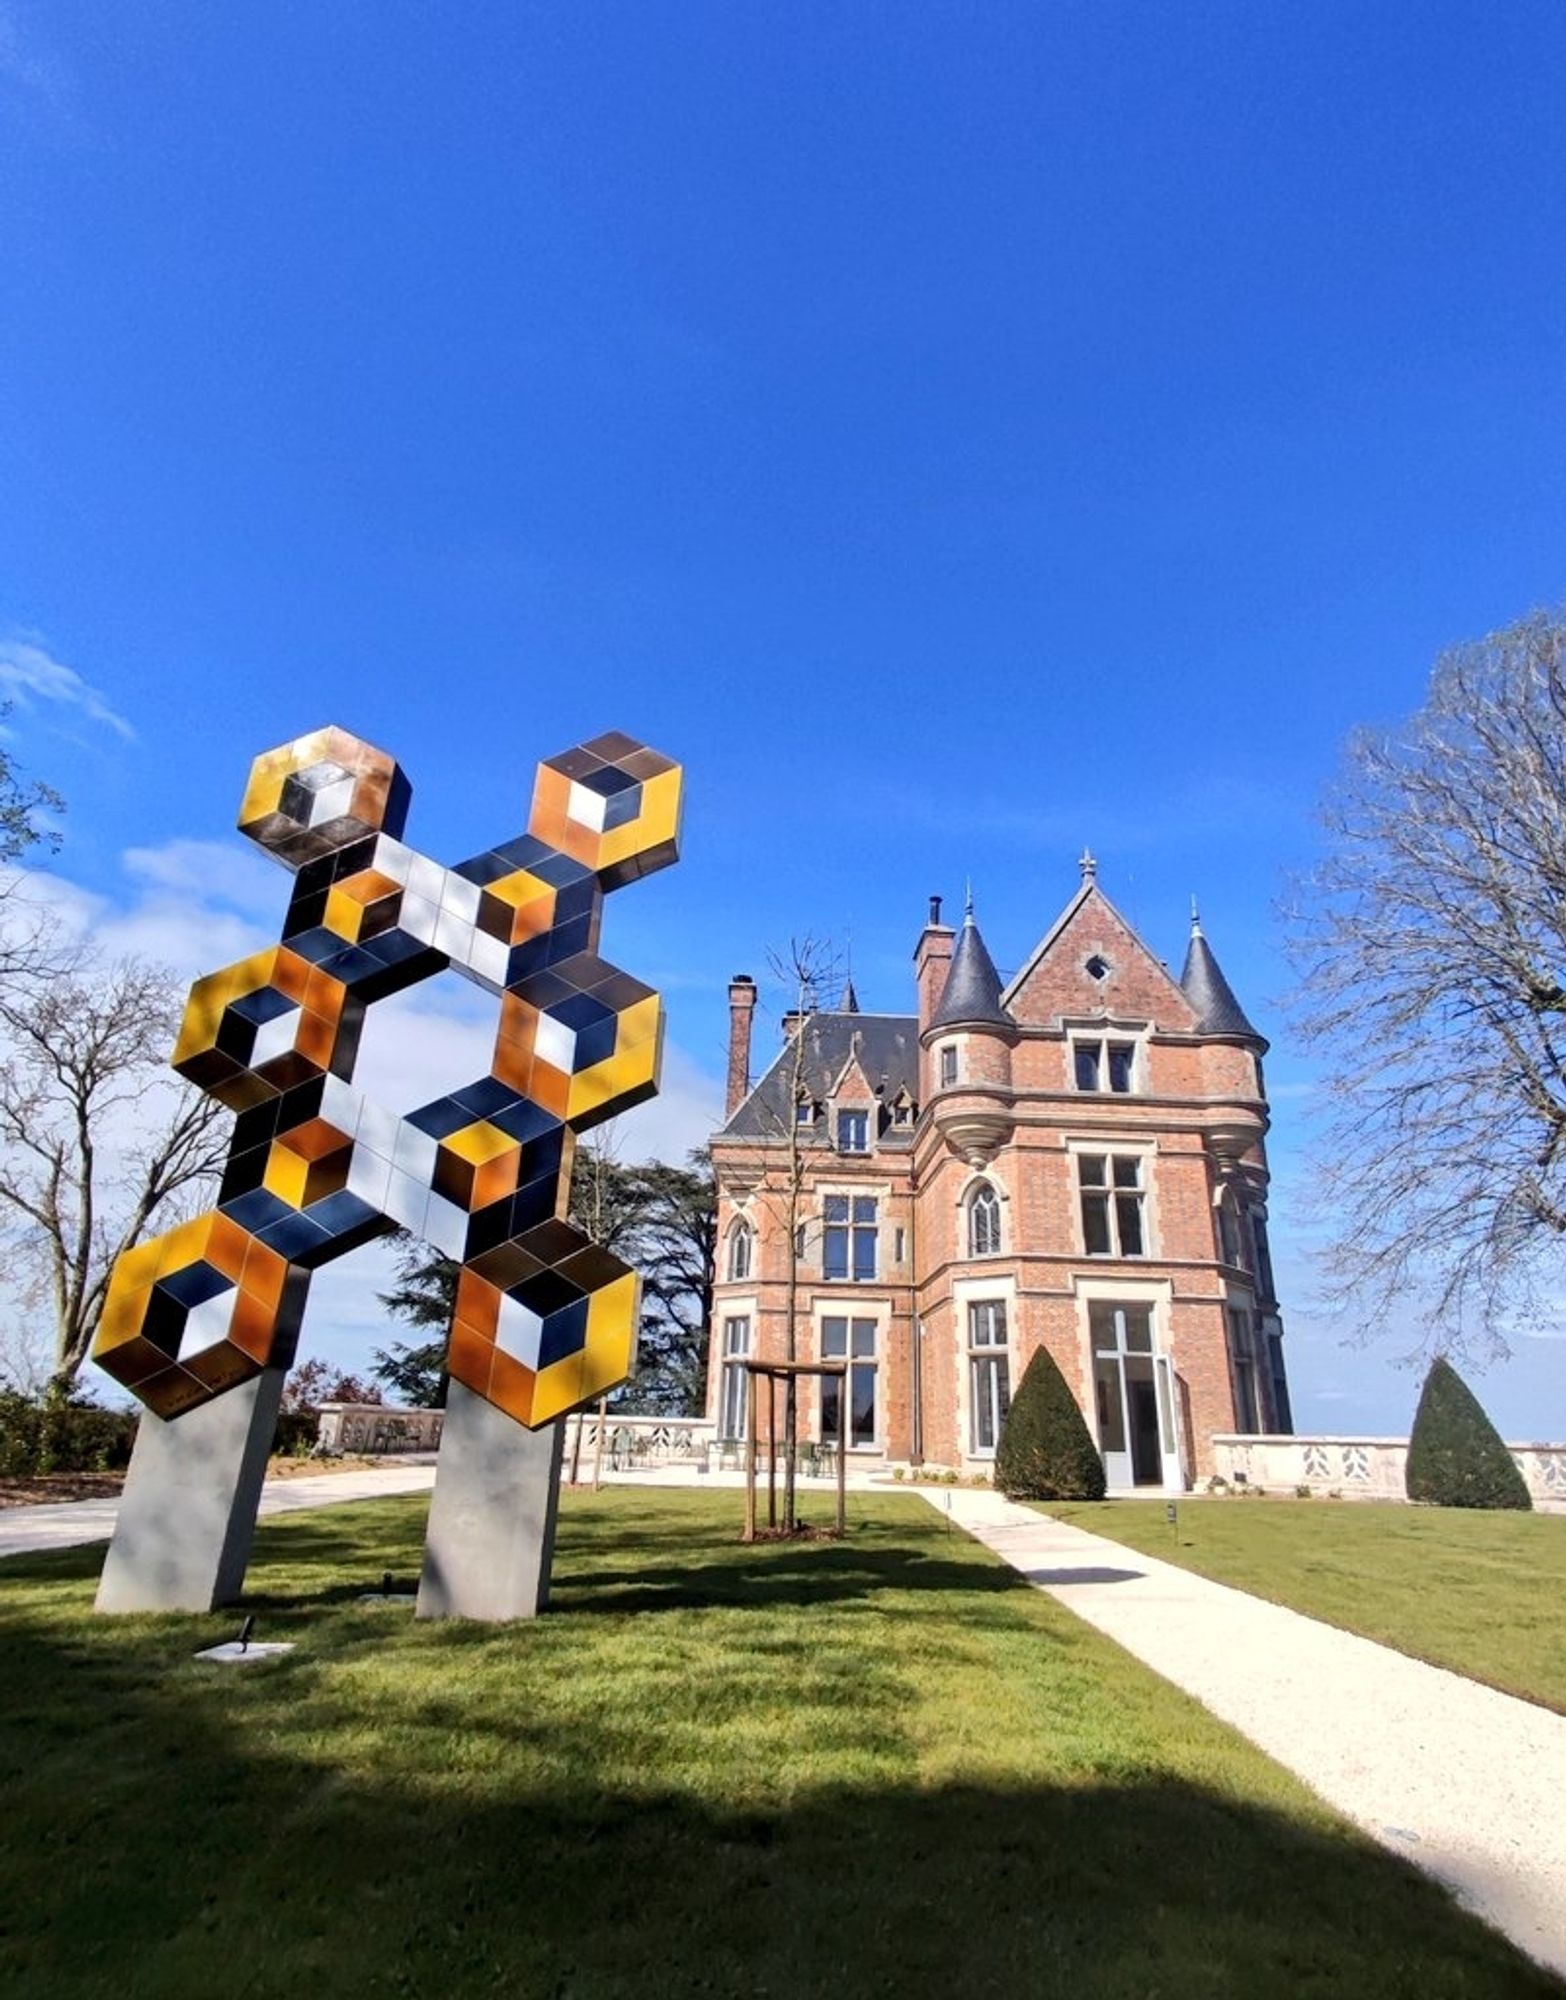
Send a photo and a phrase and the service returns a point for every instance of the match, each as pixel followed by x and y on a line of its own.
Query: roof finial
pixel 967 899
pixel 1088 865
pixel 1196 920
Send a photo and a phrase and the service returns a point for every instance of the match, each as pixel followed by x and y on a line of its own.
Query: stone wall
pixel 1360 1468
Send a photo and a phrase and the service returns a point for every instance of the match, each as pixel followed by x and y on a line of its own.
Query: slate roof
pixel 1210 994
pixel 972 993
pixel 888 1047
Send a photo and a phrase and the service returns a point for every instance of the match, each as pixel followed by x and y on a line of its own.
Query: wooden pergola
pixel 775 1372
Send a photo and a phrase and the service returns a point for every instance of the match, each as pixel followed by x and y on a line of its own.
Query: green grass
pixel 882 1766
pixel 1483 1594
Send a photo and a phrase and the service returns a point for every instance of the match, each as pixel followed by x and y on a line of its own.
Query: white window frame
pixel 947 1057
pixel 982 1191
pixel 1104 1038
pixel 967 1292
pixel 1110 1150
pixel 860 1111
pixel 877 1314
pixel 852 1194
pixel 733 1380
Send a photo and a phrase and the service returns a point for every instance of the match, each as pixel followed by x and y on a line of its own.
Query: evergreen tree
pixel 1046 1451
pixel 1455 1454
pixel 661 1219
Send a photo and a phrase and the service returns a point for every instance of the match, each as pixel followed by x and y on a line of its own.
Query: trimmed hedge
pixel 62 1437
pixel 1046 1451
pixel 1455 1454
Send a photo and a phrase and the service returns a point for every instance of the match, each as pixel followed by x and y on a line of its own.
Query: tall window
pixel 1111 1191
pixel 1231 1247
pixel 1242 1364
pixel 1263 1253
pixel 989 1374
pixel 1104 1065
pixel 853 1132
pixel 949 1063
pixel 732 1397
pixel 853 1341
pixel 983 1222
pixel 741 1240
pixel 848 1237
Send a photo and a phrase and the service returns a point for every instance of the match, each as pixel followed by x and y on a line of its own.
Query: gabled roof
pixel 1210 994
pixel 888 1053
pixel 971 996
pixel 1089 899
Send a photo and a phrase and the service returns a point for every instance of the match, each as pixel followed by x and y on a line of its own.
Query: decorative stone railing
pixel 370 1429
pixel 635 1441
pixel 1359 1468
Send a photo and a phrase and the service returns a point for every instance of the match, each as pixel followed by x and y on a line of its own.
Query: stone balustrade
pixel 1360 1468
pixel 370 1429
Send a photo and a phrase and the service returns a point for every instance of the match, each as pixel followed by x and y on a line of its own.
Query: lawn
pixel 1482 1593
pixel 881 1766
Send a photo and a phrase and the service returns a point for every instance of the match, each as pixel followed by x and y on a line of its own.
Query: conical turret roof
pixel 971 995
pixel 1210 994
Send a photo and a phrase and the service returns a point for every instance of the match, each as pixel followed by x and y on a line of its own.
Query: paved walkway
pixel 1467 1783
pixel 69 1523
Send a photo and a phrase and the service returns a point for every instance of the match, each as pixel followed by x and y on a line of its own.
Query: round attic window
pixel 1096 967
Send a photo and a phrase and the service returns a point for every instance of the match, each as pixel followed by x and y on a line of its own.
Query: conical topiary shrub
pixel 1045 1450
pixel 1455 1454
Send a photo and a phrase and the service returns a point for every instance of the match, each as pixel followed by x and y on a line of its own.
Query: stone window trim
pixel 948 1065
pixel 1155 1294
pixel 1111 1148
pixel 737 1323
pixel 975 1193
pixel 1107 1058
pixel 968 1292
pixel 852 1307
pixel 739 1260
pixel 832 1192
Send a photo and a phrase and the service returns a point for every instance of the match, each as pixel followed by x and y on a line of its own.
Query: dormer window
pixel 902 1111
pixel 805 1111
pixel 853 1132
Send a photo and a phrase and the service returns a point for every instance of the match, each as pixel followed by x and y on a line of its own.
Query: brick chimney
pixel 742 1009
pixel 932 957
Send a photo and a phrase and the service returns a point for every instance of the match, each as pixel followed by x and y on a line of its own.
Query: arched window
pixel 984 1235
pixel 739 1250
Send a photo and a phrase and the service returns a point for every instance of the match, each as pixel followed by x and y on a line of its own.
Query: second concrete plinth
pixel 491 1535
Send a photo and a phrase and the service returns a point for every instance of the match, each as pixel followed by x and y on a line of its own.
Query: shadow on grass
pixel 732 1802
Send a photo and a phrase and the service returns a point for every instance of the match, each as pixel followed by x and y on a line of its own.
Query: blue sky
pixel 959 434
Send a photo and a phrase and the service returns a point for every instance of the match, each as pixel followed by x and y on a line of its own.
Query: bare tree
pixel 1432 946
pixel 801 972
pixel 99 1142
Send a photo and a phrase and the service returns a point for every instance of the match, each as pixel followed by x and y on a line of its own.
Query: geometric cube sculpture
pixel 544 1320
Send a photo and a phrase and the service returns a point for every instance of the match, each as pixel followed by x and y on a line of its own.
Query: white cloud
pixel 30 674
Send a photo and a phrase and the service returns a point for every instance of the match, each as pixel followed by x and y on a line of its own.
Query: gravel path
pixel 1467 1783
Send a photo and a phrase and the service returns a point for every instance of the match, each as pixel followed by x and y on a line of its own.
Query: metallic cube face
pixel 544 1320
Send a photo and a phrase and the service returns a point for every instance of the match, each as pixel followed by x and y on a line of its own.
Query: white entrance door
pixel 1133 1391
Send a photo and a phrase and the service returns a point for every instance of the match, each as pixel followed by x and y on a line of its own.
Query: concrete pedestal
pixel 188 1512
pixel 491 1534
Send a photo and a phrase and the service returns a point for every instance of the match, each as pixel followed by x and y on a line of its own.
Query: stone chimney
pixel 742 1010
